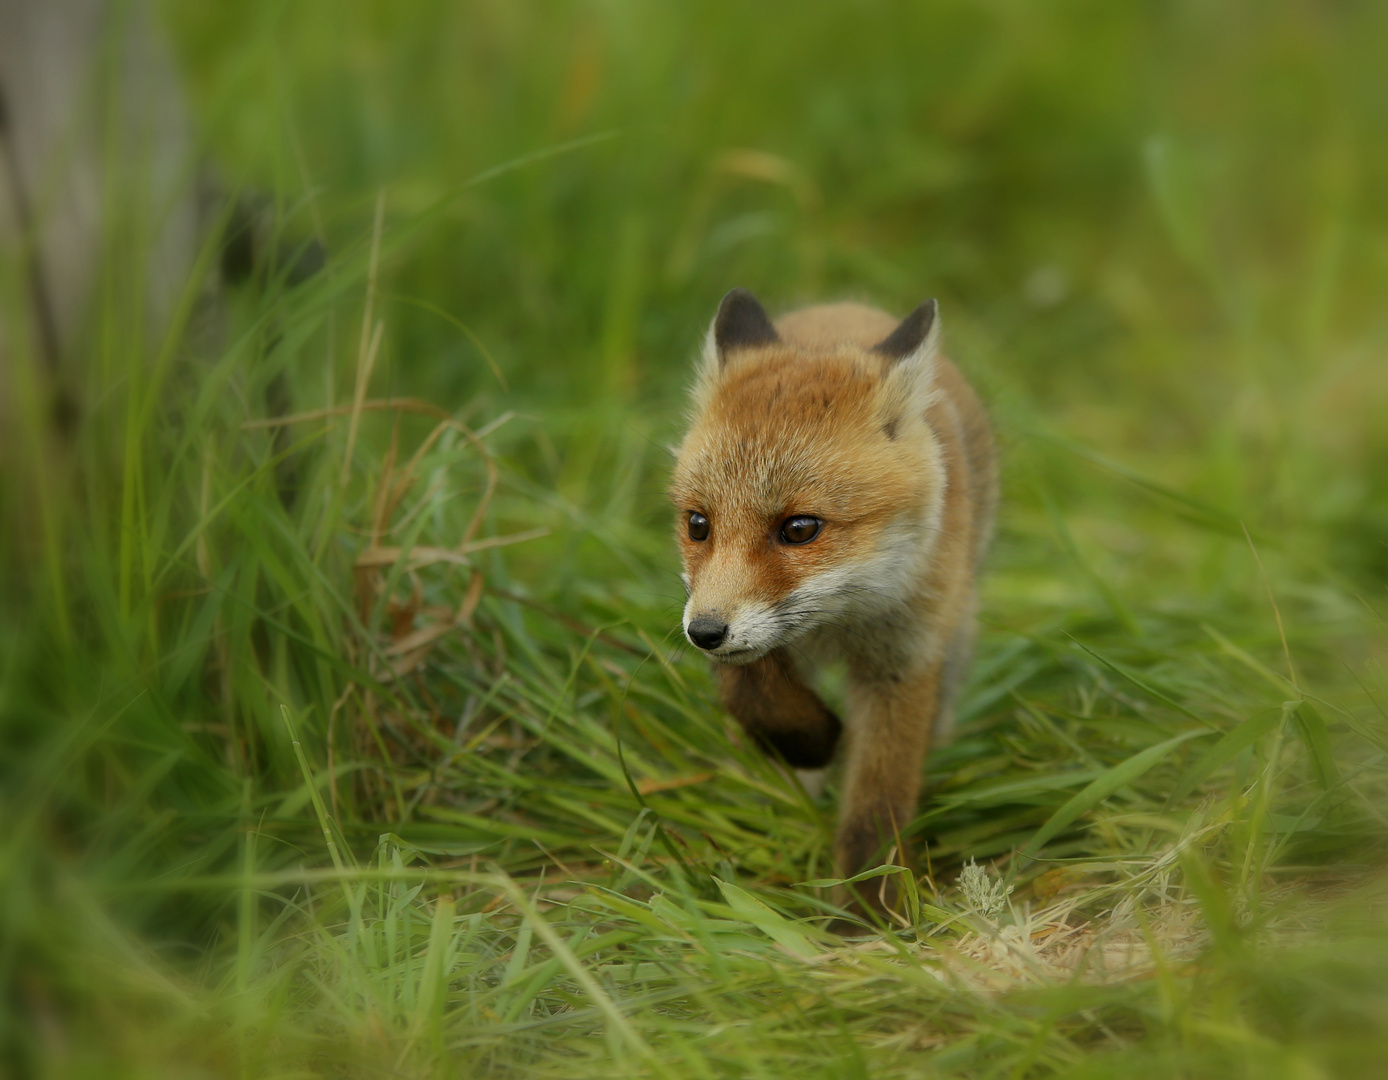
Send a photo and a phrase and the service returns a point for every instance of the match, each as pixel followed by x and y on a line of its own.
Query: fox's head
pixel 809 487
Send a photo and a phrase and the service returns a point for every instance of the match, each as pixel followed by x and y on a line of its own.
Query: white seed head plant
pixel 981 892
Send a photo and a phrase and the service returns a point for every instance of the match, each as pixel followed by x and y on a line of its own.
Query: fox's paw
pixel 810 746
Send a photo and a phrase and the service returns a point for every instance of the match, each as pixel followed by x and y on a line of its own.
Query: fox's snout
pixel 733 633
pixel 707 632
pixel 741 592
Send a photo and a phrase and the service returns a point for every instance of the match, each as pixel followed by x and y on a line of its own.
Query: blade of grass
pixel 1115 779
pixel 1229 746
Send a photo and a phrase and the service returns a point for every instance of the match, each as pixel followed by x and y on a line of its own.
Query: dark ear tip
pixel 913 330
pixel 742 322
pixel 926 312
pixel 738 303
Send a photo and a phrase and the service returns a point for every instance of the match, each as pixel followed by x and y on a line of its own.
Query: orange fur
pixel 820 416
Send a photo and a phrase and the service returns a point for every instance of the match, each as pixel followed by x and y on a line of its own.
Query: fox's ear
pixel 741 323
pixel 908 387
pixel 918 331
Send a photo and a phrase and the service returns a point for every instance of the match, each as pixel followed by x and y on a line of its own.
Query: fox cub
pixel 835 495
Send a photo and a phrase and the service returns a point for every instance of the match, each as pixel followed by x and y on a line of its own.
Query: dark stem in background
pixel 38 285
pixel 64 406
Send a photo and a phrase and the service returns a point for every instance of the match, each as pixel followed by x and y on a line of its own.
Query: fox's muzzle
pixel 707 632
pixel 733 634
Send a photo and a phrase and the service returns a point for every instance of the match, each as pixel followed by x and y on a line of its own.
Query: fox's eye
pixel 698 526
pixel 800 529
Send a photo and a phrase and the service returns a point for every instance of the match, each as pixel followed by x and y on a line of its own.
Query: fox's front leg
pixel 770 700
pixel 888 740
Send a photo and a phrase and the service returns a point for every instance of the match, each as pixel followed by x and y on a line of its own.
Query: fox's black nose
pixel 707 633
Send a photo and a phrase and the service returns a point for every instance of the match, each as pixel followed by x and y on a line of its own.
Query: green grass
pixel 272 809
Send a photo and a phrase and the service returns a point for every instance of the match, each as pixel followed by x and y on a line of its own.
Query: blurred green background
pixel 1159 236
pixel 1175 205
